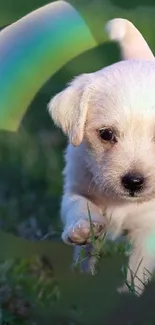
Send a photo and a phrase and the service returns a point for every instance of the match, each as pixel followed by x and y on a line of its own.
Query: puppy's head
pixel 113 112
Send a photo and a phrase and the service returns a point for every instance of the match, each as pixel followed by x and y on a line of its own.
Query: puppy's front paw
pixel 80 233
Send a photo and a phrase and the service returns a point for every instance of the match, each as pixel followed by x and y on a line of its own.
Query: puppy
pixel 109 118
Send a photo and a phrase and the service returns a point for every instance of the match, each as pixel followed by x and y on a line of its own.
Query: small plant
pixel 134 289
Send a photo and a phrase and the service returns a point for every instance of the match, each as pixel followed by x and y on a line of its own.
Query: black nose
pixel 132 182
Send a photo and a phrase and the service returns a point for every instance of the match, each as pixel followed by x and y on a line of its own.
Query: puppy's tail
pixel 132 43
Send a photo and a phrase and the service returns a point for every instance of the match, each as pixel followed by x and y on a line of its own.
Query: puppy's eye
pixel 107 134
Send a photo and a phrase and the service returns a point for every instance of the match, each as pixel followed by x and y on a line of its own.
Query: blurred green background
pixel 31 163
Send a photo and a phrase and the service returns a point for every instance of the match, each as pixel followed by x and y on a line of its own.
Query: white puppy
pixel 109 117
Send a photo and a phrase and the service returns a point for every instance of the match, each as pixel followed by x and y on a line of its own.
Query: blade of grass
pixel 91 227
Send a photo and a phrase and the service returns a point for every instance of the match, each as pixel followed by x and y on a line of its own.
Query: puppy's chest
pixel 130 216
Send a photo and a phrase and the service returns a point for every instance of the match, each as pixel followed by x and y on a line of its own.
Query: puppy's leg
pixel 88 262
pixel 141 264
pixel 75 216
pixel 77 230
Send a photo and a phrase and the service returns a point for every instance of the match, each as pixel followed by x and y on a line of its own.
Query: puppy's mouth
pixel 132 194
pixel 137 197
pixel 125 195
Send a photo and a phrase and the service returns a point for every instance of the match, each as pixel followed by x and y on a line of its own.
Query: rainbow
pixel 32 50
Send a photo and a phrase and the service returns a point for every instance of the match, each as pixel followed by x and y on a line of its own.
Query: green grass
pixel 26 284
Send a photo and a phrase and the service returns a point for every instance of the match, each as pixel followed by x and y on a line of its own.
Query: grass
pixel 25 284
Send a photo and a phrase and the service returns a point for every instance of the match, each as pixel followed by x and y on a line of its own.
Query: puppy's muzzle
pixel 133 182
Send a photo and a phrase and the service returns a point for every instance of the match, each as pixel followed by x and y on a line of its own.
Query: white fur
pixel 122 96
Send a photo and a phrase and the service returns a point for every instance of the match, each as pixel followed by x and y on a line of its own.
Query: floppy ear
pixel 69 109
pixel 132 43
